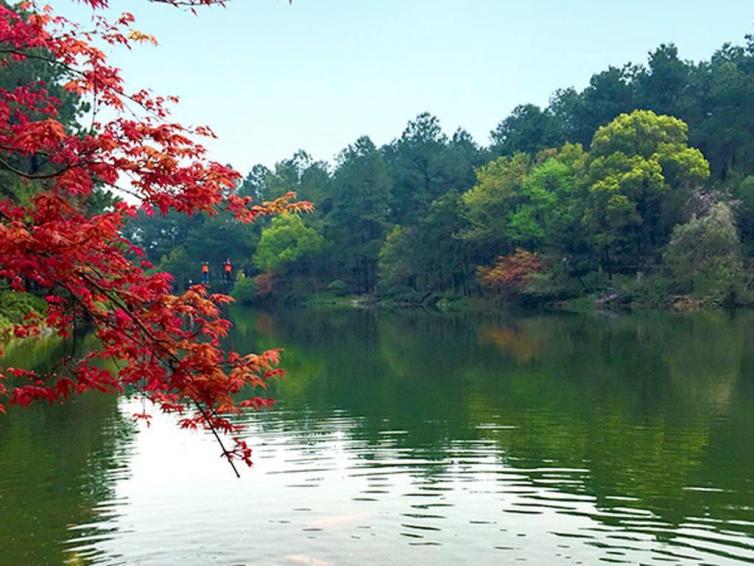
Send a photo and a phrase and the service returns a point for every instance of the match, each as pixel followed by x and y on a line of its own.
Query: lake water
pixel 415 438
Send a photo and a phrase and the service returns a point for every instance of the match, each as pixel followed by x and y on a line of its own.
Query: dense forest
pixel 637 189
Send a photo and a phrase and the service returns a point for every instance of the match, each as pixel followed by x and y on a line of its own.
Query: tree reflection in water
pixel 58 465
pixel 553 438
pixel 657 409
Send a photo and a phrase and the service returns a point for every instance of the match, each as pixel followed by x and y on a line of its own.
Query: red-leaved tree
pixel 511 273
pixel 166 345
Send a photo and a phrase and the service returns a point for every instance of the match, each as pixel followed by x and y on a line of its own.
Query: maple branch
pixel 173 358
pixel 33 176
pixel 81 258
pixel 217 437
pixel 74 70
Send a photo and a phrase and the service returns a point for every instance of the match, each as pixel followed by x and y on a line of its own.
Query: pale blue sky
pixel 270 77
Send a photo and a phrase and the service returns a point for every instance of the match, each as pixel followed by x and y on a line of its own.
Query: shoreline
pixel 437 302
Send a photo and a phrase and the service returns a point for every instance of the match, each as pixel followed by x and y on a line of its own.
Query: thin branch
pixel 75 71
pixel 32 176
pixel 174 359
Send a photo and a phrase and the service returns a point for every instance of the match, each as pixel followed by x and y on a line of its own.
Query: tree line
pixel 638 187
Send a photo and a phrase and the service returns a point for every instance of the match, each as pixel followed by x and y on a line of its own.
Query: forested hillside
pixel 638 188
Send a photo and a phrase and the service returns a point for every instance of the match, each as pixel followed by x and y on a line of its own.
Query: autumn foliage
pixel 511 273
pixel 168 346
pixel 265 283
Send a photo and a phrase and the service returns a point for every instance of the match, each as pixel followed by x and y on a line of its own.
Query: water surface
pixel 413 438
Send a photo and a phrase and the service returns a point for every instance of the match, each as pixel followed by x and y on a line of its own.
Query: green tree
pixel 358 222
pixel 608 94
pixel 397 265
pixel 199 238
pixel 463 157
pixel 158 234
pixel 487 205
pixel 528 129
pixel 424 165
pixel 446 262
pixel 178 263
pixel 722 114
pixel 639 175
pixel 300 173
pixel 662 87
pixel 546 212
pixel 286 240
pixel 429 257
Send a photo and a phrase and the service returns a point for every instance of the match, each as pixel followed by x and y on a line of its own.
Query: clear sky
pixel 271 77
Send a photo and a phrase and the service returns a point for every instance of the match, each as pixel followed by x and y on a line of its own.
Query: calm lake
pixel 415 438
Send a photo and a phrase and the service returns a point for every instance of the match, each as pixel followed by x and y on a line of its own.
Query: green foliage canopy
pixel 286 240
